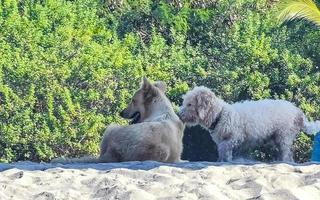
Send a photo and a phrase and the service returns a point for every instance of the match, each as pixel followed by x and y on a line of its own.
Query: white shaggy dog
pixel 157 134
pixel 240 125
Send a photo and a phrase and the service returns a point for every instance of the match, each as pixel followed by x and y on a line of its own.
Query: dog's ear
pixel 146 85
pixel 149 90
pixel 202 105
pixel 161 85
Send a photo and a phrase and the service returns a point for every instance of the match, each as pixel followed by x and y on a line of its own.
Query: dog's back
pixel 263 118
pixel 160 141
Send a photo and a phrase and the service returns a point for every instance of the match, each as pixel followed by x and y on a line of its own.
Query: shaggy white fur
pixel 245 124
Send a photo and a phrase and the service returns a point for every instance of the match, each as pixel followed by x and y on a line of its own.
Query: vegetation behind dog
pixel 68 67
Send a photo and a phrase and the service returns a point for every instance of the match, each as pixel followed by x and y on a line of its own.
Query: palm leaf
pixel 299 9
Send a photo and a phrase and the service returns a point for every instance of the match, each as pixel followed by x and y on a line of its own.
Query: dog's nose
pixel 122 114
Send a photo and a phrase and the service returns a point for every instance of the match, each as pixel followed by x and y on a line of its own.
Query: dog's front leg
pixel 225 151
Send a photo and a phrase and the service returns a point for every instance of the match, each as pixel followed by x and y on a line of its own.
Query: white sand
pixel 152 180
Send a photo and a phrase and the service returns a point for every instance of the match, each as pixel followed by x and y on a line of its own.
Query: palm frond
pixel 299 9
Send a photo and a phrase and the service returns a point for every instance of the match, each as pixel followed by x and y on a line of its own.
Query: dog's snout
pixel 122 114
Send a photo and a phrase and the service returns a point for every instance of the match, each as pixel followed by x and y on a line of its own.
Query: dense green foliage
pixel 68 67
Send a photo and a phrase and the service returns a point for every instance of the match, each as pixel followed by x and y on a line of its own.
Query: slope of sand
pixel 153 180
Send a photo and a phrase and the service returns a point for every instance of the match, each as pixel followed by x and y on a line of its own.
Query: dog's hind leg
pixel 110 155
pixel 286 153
pixel 157 152
pixel 285 141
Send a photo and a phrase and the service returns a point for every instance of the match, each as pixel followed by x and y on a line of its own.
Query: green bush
pixel 68 67
pixel 302 148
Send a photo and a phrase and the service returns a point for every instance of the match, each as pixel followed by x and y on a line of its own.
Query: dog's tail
pixel 311 127
pixel 85 159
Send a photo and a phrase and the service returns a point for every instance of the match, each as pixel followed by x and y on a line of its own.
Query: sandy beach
pixel 153 180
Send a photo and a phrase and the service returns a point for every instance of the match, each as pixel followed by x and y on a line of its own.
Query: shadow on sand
pixel 136 165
